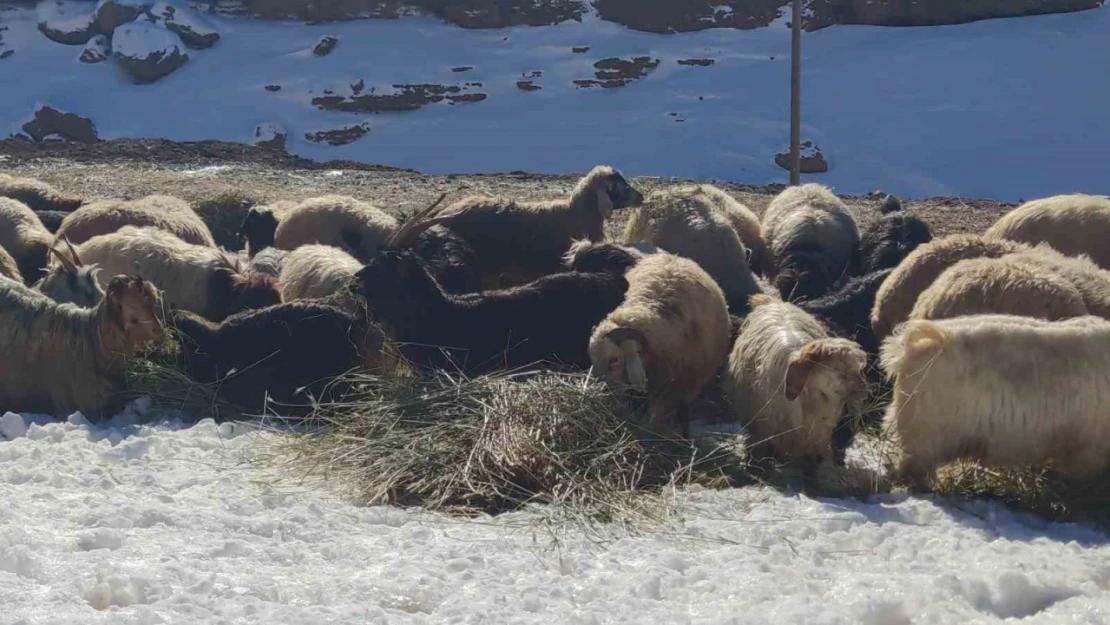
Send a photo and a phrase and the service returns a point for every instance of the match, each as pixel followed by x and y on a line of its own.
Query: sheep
pixel 38 196
pixel 519 241
pixel 59 358
pixel 316 271
pixel 1092 281
pixel 812 240
pixel 694 222
pixel 1073 224
pixel 996 285
pixel 153 211
pixel 847 311
pixel 892 238
pixel 335 220
pixel 789 382
pixel 276 352
pixel 587 256
pixel 260 225
pixel 8 268
pixel 51 220
pixel 25 238
pixel 71 281
pixel 197 278
pixel 1000 389
pixel 898 293
pixel 667 339
pixel 269 261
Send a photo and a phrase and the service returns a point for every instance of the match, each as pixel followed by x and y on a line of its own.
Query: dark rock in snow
pixel 49 122
pixel 326 44
pixel 64 21
pixel 147 51
pixel 194 31
pixel 339 136
pixel 812 161
pixel 111 14
pixel 271 136
pixel 98 49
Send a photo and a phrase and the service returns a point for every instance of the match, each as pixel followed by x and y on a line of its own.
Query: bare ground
pixel 205 170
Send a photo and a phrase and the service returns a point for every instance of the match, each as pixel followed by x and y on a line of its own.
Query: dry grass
pixel 498 443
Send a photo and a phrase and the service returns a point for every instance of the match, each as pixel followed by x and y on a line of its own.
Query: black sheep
pixel 590 257
pixel 548 320
pixel 275 351
pixel 450 259
pixel 892 238
pixel 51 219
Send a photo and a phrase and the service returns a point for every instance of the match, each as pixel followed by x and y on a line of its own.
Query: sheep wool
pixel 340 221
pixel 164 212
pixel 24 237
pixel 1073 224
pixel 318 271
pixel 37 195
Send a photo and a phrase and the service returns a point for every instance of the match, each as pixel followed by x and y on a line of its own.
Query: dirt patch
pixel 403 98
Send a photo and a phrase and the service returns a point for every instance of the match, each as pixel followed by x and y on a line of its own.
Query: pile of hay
pixel 494 444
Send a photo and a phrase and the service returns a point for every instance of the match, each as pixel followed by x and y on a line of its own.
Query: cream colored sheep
pixel 898 293
pixel 516 242
pixel 155 211
pixel 37 195
pixel 1000 286
pixel 1003 390
pixel 336 220
pixel 25 238
pixel 696 222
pixel 318 272
pixel 669 336
pixel 197 278
pixel 1073 224
pixel 789 382
pixel 812 241
pixel 1092 282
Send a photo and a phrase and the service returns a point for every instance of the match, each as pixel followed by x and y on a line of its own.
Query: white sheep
pixel 1092 281
pixel 812 240
pixel 697 222
pixel 198 278
pixel 669 336
pixel 318 272
pixel 25 238
pixel 38 196
pixel 155 211
pixel 789 382
pixel 1073 224
pixel 896 297
pixel 1003 390
pixel 336 220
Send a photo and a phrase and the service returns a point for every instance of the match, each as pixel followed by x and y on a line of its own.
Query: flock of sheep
pixel 997 346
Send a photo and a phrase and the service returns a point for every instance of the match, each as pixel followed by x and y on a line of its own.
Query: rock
pixel 527 85
pixel 270 136
pixel 273 88
pixel 697 62
pixel 402 98
pixel 616 72
pixel 462 68
pixel 6 53
pixel 580 49
pixel 194 31
pixel 325 46
pixel 98 49
pixel 147 51
pixel 939 12
pixel 111 14
pixel 812 161
pixel 339 136
pixel 67 22
pixel 49 121
pixel 676 16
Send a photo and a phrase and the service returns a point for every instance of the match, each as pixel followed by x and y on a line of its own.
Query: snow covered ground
pixel 171 523
pixel 1006 109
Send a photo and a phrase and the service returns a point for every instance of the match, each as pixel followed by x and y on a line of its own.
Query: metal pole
pixel 796 93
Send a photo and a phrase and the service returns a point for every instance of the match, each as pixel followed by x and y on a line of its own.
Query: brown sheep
pixel 335 220
pixel 898 294
pixel 696 222
pixel 1073 224
pixel 58 358
pixel 155 211
pixel 1001 286
pixel 516 242
pixel 38 196
pixel 25 238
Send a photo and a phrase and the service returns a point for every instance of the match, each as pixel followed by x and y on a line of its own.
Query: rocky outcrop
pixel 400 98
pixel 811 161
pixel 194 31
pixel 465 13
pixel 270 136
pixel 111 14
pixel 937 12
pixel 147 51
pixel 325 45
pixel 98 49
pixel 339 136
pixel 50 122
pixel 64 21
pixel 615 72
pixel 678 16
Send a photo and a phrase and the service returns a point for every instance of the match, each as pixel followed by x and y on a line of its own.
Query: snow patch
pixel 144 39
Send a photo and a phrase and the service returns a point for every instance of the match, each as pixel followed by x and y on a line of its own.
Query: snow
pixel 143 39
pixel 166 522
pixel 1000 108
pixel 65 16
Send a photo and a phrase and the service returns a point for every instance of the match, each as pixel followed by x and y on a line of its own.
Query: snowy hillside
pixel 1006 109
pixel 128 523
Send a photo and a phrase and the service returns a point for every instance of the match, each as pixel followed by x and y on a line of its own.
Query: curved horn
pixel 415 225
pixel 73 252
pixel 65 260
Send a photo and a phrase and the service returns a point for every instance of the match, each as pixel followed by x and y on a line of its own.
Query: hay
pixel 159 373
pixel 496 443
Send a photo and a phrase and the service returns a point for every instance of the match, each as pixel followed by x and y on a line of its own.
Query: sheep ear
pixel 65 260
pixel 604 203
pixel 797 374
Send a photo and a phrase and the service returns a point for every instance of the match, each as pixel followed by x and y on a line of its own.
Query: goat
pixel 70 280
pixel 153 211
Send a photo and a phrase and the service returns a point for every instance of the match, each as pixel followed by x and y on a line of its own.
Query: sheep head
pixel 590 257
pixel 252 291
pixel 619 356
pixel 805 278
pixel 827 374
pixel 605 189
pixel 71 281
pixel 131 306
pixel 396 280
pixel 258 229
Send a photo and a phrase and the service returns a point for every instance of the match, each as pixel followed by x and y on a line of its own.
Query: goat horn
pixel 418 223
pixel 65 260
pixel 73 252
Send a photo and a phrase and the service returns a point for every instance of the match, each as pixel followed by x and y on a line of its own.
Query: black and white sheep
pixel 696 222
pixel 811 238
pixel 198 278
pixel 37 195
pixel 667 339
pixel 890 239
pixel 25 238
pixel 58 358
pixel 164 212
pixel 1073 224
pixel 70 280
pixel 1004 390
